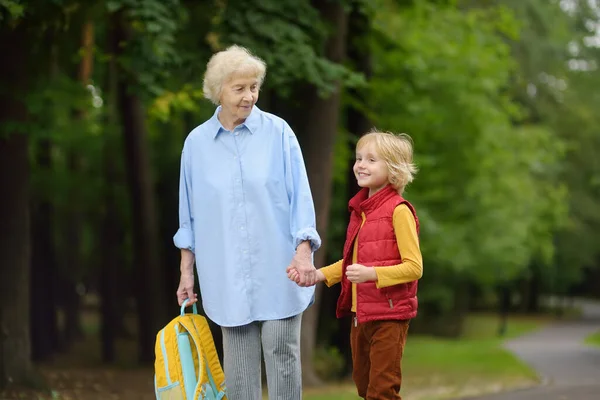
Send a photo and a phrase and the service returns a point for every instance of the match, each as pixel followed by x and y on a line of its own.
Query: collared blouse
pixel 245 204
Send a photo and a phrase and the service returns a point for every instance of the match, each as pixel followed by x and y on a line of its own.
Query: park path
pixel 569 369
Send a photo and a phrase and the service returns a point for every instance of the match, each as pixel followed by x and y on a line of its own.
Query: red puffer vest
pixel 377 246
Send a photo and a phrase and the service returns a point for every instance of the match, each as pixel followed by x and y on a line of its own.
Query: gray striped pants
pixel 280 343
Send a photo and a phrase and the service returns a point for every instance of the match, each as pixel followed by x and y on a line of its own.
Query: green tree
pixel 485 192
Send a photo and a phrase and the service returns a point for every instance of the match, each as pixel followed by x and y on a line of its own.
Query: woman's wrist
pixel 304 249
pixel 186 270
pixel 187 262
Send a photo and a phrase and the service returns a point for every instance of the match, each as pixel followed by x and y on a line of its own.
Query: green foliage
pixel 14 9
pixel 336 232
pixel 63 118
pixel 151 53
pixel 328 362
pixel 505 132
pixel 185 99
pixel 593 339
pixel 557 62
pixel 486 191
pixel 577 242
pixel 181 93
pixel 290 36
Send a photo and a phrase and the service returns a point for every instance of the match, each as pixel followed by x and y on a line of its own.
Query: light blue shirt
pixel 244 206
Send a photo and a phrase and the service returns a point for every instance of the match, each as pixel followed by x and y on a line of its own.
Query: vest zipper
pixel 356 313
pixel 389 299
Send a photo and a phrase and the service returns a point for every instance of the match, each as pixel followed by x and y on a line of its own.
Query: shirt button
pixel 242 227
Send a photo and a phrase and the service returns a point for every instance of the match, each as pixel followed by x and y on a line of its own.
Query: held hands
pixel 301 270
pixel 294 275
pixel 356 273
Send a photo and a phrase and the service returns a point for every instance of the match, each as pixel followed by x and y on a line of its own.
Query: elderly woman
pixel 245 214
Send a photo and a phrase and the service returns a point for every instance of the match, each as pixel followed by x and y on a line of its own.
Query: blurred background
pixel 96 98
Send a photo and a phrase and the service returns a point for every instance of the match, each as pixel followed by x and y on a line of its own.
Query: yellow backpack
pixel 187 366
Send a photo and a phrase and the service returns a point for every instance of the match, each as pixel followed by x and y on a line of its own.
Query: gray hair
pixel 225 65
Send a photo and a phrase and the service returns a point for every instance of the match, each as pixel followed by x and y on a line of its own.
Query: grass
pixel 435 368
pixel 593 339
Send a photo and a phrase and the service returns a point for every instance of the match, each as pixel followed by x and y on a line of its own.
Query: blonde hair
pixel 396 150
pixel 224 65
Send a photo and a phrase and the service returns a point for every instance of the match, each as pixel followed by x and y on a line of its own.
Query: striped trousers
pixel 279 342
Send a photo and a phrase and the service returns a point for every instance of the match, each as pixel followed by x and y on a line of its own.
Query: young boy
pixel 381 265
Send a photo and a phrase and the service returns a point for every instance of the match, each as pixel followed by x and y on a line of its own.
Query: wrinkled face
pixel 370 170
pixel 238 96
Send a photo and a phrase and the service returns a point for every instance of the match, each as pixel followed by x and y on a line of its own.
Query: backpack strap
pixel 209 363
pixel 184 305
pixel 186 359
pixel 188 369
pixel 211 360
pixel 165 357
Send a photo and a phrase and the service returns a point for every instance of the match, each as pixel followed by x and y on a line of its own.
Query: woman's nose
pixel 248 95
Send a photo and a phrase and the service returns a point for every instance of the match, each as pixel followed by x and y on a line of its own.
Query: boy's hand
pixel 358 273
pixel 294 275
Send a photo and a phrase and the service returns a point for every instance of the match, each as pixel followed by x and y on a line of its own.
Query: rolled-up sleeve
pixel 302 209
pixel 184 238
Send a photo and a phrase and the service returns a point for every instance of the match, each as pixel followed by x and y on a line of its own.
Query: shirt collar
pixel 252 123
pixel 361 202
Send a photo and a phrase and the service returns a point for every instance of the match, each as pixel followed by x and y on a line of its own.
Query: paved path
pixel 569 369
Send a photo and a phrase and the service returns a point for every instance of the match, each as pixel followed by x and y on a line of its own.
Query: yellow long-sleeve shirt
pixel 411 268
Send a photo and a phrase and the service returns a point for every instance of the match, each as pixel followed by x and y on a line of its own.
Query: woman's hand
pixel 302 263
pixel 186 282
pixel 358 273
pixel 186 290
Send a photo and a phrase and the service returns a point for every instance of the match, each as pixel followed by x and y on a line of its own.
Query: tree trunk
pixel 357 124
pixel 150 299
pixel 44 324
pixel 73 300
pixel 14 253
pixel 319 134
pixel 359 54
pixel 15 346
pixel 169 202
pixel 43 310
pixel 504 306
pixel 535 289
pixel 112 235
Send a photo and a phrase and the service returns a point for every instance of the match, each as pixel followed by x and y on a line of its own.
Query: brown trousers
pixel 377 348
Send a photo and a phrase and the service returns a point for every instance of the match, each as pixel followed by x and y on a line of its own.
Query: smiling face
pixel 239 95
pixel 370 169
